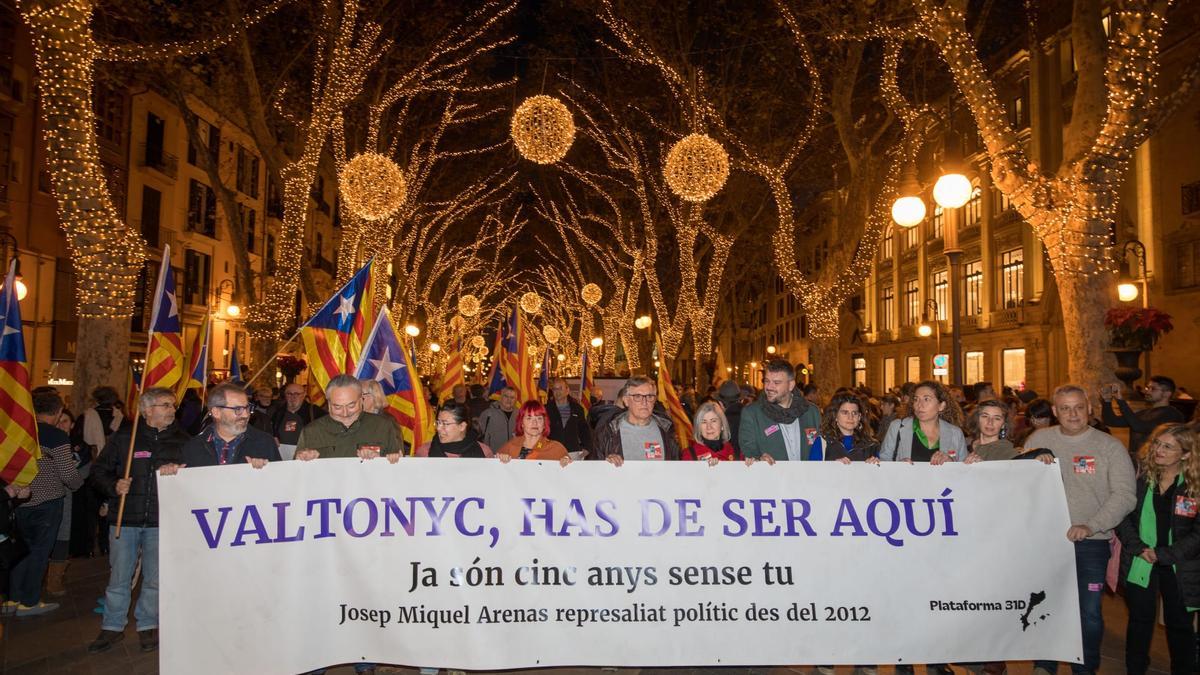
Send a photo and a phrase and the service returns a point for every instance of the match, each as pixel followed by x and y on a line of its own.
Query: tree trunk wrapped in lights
pixel 1071 207
pixel 106 255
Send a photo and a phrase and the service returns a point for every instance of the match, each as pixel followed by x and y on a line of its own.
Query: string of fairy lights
pixel 1070 210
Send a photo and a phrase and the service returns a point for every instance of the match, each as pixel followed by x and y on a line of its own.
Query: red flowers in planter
pixel 1136 328
pixel 291 366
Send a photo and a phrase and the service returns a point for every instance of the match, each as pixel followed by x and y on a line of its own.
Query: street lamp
pixel 953 188
pixel 909 209
pixel 412 331
pixel 435 347
pixel 642 322
pixel 597 342
pixel 232 309
pixel 771 349
pixel 929 322
pixel 8 240
pixel 1127 285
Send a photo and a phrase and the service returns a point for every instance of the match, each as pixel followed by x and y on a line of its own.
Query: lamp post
pixel 7 241
pixel 1127 285
pixel 232 310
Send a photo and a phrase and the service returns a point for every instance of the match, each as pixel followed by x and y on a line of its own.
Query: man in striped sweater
pixel 39 518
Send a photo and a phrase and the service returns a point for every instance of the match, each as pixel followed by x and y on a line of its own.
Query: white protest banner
pixel 478 565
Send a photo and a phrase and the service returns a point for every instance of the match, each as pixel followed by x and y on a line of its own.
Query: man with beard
pixel 230 439
pixel 781 423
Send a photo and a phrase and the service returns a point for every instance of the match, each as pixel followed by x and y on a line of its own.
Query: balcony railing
pixel 153 157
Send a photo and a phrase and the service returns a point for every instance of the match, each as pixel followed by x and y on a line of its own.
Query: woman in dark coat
pixel 1160 549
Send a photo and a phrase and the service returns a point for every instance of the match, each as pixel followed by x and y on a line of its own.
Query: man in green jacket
pixel 347 431
pixel 781 424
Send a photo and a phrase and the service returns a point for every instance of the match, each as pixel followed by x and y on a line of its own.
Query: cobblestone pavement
pixel 57 643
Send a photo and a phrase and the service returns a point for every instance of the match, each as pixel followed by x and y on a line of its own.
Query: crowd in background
pixel 1134 504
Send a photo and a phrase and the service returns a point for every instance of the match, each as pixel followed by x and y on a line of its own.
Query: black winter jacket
pixel 198 451
pixel 1184 553
pixel 152 449
pixel 574 432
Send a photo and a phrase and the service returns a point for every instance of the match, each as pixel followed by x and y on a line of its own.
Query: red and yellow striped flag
pixel 19 449
pixel 196 376
pixel 453 375
pixel 164 353
pixel 670 400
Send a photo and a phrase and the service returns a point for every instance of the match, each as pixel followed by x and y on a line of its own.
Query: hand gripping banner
pixel 480 565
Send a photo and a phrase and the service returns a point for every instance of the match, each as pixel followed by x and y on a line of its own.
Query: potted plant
pixel 1132 331
pixel 291 367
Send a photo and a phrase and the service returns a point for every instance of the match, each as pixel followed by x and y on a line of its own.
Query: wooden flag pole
pixel 137 416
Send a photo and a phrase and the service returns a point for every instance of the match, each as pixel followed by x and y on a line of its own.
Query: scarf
pixel 467 447
pixel 1139 570
pixel 714 445
pixel 781 415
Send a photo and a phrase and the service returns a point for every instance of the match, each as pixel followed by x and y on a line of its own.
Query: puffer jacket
pixel 1183 552
pixel 152 449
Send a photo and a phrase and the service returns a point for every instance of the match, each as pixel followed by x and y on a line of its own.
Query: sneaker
pixel 148 639
pixel 40 608
pixel 105 641
pixel 9 607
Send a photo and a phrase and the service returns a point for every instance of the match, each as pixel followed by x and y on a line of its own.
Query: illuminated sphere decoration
pixel 478 342
pixel 551 334
pixel 697 168
pixel 457 323
pixel 952 190
pixel 468 306
pixel 543 129
pixel 908 211
pixel 591 294
pixel 372 185
pixel 531 302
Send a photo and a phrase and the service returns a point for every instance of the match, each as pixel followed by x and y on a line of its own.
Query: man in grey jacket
pixel 498 423
pixel 1099 481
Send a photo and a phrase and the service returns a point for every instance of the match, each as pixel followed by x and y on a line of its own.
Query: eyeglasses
pixel 236 409
pixel 643 398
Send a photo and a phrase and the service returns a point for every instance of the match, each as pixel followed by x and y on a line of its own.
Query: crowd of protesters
pixel 1143 495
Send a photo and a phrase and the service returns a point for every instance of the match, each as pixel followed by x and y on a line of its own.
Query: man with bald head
pixel 291 418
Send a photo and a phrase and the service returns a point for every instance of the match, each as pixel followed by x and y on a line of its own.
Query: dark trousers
pixel 1091 565
pixel 1143 605
pixel 39 527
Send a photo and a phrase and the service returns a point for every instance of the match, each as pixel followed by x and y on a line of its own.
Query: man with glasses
pixel 230 439
pixel 636 434
pixel 346 431
pixel 289 419
pixel 158 445
pixel 1159 391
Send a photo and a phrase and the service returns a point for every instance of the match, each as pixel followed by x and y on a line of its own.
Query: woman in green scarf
pixel 1160 549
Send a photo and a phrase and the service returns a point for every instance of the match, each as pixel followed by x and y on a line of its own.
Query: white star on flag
pixel 385 367
pixel 345 307
pixel 173 310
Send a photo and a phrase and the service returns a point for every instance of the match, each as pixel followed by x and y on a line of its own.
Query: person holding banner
pixel 158 444
pixel 455 435
pixel 532 441
pixel 230 439
pixel 710 436
pixel 637 434
pixel 931 434
pixel 988 427
pixel 346 431
pixel 1099 482
pixel 782 423
pixel 844 437
pixel 1160 549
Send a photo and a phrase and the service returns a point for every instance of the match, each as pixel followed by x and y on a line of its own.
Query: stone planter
pixel 1127 369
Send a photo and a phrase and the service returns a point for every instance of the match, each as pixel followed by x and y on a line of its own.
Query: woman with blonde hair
pixel 710 436
pixel 1160 549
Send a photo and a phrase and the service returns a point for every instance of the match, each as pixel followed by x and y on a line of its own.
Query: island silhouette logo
pixel 1028 617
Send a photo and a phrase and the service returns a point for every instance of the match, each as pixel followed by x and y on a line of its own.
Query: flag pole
pixel 137 416
pixel 268 363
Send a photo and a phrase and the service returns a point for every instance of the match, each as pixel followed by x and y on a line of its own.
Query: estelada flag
pixel 197 372
pixel 453 375
pixel 19 449
pixel 496 378
pixel 544 377
pixel 235 367
pixel 334 336
pixel 671 401
pixel 164 352
pixel 385 360
pixel 515 361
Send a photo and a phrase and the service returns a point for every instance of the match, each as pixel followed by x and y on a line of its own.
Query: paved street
pixel 57 642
